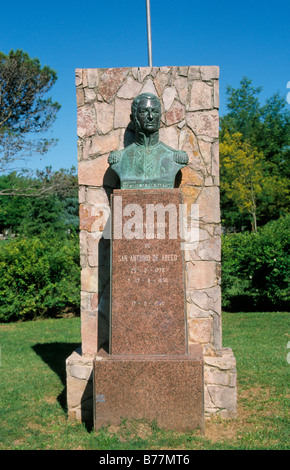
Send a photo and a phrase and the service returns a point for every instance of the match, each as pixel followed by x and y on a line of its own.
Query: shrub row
pixel 256 268
pixel 39 276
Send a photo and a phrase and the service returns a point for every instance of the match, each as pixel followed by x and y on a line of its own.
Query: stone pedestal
pixel 148 373
pixel 164 389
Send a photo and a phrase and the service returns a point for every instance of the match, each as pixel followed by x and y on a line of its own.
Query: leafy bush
pixel 32 204
pixel 39 276
pixel 256 267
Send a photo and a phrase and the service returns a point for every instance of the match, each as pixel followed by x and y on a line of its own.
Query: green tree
pixel 266 127
pixel 241 174
pixel 47 201
pixel 13 209
pixel 25 111
pixel 244 111
pixel 44 215
pixel 256 139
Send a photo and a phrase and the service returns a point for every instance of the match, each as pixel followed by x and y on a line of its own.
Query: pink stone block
pixel 200 330
pixel 204 123
pixel 91 172
pixel 89 332
pixel 104 144
pixel 201 96
pixel 93 77
pixel 215 160
pixel 143 72
pixel 85 77
pixel 129 89
pixel 194 72
pixel 201 275
pixel 79 77
pixel 80 97
pixel 86 121
pixel 169 136
pixel 168 97
pixel 89 280
pixel 175 114
pixel 209 205
pixel 209 249
pixel 216 94
pixel 205 149
pixel 209 72
pixel 82 194
pixel 122 113
pixel 86 217
pixel 110 82
pixel 149 87
pixel 93 218
pixel 160 81
pixel 182 85
pixel 105 116
pixel 96 196
pixel 90 95
pixel 93 250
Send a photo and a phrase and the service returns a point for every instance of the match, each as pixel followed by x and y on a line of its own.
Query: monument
pixel 150 311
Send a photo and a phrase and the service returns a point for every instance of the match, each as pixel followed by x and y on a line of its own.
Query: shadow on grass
pixel 55 355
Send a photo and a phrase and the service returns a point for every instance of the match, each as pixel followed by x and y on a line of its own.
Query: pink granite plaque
pixel 147 285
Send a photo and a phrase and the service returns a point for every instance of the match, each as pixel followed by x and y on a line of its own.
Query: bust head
pixel 146 113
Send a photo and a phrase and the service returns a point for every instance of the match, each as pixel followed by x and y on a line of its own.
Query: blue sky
pixel 249 38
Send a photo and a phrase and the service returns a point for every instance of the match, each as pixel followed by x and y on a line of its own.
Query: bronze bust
pixel 147 163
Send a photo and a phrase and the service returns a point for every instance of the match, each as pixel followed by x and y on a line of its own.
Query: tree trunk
pixel 253 211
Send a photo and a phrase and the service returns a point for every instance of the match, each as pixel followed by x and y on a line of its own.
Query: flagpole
pixel 149 38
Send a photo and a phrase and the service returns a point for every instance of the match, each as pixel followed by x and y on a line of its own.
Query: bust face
pixel 148 115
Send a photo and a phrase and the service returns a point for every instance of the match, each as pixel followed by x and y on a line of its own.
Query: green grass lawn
pixel 33 396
